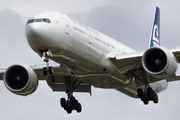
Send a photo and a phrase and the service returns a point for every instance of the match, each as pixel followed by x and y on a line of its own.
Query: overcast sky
pixel 127 21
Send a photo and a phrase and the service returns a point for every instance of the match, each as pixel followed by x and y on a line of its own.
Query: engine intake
pixel 159 62
pixel 20 79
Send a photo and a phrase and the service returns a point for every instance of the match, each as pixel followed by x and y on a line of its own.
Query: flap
pixel 127 62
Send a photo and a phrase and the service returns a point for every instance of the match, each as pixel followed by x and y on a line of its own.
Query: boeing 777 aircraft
pixel 84 57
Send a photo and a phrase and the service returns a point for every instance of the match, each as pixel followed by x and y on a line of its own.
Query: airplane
pixel 84 57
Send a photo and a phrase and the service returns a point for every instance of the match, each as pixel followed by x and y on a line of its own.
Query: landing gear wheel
pixel 150 93
pixel 45 71
pixel 50 70
pixel 140 93
pixel 146 100
pixel 156 99
pixel 63 102
pixel 69 110
pixel 79 108
pixel 70 105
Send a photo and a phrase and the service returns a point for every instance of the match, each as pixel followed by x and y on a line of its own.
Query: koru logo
pixel 155 35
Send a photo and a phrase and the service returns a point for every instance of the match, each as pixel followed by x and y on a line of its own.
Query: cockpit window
pixel 30 21
pixel 46 20
pixel 38 20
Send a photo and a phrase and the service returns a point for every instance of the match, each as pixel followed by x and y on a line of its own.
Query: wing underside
pixel 57 82
pixel 131 65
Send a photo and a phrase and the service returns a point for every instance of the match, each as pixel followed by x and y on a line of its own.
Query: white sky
pixel 127 21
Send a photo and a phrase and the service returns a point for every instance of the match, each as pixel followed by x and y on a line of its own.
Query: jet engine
pixel 20 79
pixel 159 62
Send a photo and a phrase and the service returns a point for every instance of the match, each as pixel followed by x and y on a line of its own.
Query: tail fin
pixel 155 33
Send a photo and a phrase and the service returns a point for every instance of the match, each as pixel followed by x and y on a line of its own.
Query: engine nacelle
pixel 20 79
pixel 159 62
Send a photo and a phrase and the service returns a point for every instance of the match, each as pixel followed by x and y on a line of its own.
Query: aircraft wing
pixel 2 70
pixel 1 75
pixel 127 62
pixel 130 91
pixel 55 81
pixel 132 62
pixel 176 52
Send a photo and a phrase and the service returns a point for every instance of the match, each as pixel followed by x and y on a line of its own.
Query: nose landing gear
pixel 46 53
pixel 48 69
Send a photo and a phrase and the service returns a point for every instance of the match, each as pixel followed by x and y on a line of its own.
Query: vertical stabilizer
pixel 155 33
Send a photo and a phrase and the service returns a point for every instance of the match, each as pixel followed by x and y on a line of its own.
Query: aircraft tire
pixel 63 102
pixel 50 70
pixel 79 108
pixel 140 93
pixel 146 100
pixel 156 99
pixel 69 111
pixel 151 93
pixel 45 71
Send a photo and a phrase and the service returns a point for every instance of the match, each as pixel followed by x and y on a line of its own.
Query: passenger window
pixel 38 20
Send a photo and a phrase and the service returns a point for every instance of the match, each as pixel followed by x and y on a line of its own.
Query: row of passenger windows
pixel 39 20
pixel 104 42
pixel 81 31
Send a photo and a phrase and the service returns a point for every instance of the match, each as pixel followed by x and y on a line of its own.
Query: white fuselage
pixel 82 49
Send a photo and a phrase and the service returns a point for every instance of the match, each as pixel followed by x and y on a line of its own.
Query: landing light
pixel 112 58
pixel 46 54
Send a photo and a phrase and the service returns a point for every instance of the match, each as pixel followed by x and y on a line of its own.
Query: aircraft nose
pixel 33 32
pixel 34 35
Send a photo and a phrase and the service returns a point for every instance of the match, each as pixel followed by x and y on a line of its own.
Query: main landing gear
pixel 70 84
pixel 148 94
pixel 71 103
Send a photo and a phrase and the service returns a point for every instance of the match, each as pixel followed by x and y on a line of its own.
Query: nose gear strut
pixel 46 54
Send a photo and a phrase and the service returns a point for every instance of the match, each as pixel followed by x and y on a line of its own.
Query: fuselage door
pixel 66 26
